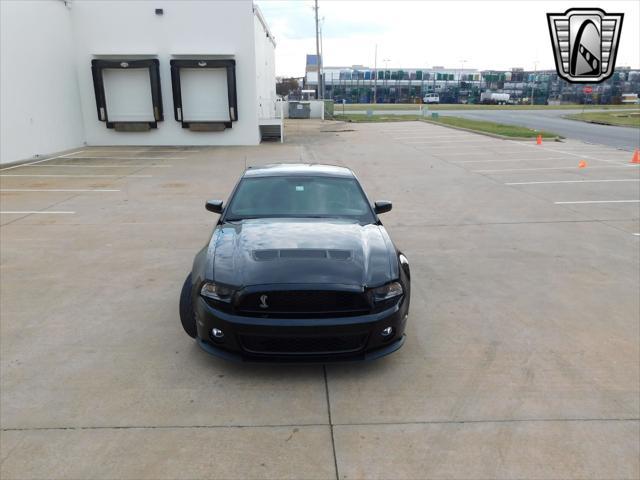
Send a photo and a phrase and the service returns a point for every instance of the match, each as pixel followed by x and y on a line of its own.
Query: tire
pixel 187 315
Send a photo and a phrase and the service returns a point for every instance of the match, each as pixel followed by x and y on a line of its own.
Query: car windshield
pixel 298 196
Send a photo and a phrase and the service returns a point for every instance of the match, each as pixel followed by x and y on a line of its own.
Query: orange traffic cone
pixel 582 164
pixel 539 140
pixel 636 156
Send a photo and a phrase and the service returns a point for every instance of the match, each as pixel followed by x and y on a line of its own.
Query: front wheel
pixel 187 315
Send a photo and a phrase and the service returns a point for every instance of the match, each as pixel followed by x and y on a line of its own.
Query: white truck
pixel 495 98
pixel 431 98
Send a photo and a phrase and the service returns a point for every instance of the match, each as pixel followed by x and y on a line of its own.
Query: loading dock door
pixel 128 94
pixel 204 93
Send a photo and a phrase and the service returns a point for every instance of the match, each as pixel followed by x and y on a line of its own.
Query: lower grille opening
pixel 300 345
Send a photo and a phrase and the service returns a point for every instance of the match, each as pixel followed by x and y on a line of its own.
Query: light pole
pixel 433 74
pixel 422 85
pixel 460 77
pixel 320 61
pixel 318 49
pixel 386 67
pixel 533 83
pixel 375 73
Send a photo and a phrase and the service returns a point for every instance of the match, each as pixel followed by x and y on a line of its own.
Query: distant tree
pixel 286 86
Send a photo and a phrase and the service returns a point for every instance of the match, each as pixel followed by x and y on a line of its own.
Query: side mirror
pixel 214 206
pixel 382 207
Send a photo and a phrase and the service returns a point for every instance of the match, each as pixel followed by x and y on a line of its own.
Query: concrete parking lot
pixel 522 358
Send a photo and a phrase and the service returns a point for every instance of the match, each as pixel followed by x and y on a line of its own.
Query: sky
pixel 477 34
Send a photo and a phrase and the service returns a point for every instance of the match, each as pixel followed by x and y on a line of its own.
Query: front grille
pixel 300 345
pixel 303 303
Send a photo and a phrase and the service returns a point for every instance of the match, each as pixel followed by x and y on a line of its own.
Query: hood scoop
pixel 300 253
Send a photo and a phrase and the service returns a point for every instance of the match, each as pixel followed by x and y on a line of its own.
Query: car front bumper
pixel 300 340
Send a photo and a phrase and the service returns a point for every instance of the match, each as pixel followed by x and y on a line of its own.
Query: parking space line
pixel 76 176
pixel 39 161
pixel 66 190
pixel 446 141
pixel 637 234
pixel 464 147
pixel 91 150
pixel 83 157
pixel 575 181
pixel 548 168
pixel 75 165
pixel 509 160
pixel 416 137
pixel 420 133
pixel 579 155
pixel 436 141
pixel 596 201
pixel 459 154
pixel 33 212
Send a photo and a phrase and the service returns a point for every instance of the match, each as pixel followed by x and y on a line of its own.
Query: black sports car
pixel 298 268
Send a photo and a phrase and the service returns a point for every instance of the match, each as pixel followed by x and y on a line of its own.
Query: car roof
pixel 298 169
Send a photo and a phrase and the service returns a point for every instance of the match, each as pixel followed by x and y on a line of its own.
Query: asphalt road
pixel 626 138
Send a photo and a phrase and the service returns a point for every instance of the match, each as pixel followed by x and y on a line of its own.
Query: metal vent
pixel 265 254
pixel 339 254
pixel 301 253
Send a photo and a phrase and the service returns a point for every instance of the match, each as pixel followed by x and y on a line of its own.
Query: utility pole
pixel 460 77
pixel 535 71
pixel 375 73
pixel 318 60
pixel 321 56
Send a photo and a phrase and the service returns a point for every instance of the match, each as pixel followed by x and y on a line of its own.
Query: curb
pixel 596 122
pixel 488 134
pixel 39 158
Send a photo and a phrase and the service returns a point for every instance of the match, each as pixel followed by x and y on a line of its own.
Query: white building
pixel 92 72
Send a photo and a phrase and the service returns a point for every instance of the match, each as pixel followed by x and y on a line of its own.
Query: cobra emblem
pixel 263 301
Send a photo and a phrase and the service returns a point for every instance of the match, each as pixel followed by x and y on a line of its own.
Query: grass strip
pixel 482 126
pixel 457 106
pixel 620 119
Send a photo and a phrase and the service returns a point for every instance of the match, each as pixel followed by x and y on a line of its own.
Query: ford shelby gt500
pixel 298 268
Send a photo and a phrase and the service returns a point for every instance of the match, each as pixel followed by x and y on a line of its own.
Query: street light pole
pixel 321 62
pixel 318 61
pixel 375 73
pixel 386 67
pixel 459 78
pixel 533 83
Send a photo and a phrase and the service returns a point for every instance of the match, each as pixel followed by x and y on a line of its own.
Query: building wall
pixel 47 93
pixel 38 83
pixel 265 70
pixel 222 28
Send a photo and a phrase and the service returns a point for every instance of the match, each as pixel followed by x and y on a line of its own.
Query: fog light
pixel 217 333
pixel 387 331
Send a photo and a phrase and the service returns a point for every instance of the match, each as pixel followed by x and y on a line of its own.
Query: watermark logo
pixel 585 43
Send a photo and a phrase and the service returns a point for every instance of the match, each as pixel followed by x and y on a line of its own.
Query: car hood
pixel 301 251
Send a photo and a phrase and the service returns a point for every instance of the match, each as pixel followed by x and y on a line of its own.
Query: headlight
pixel 216 292
pixel 385 292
